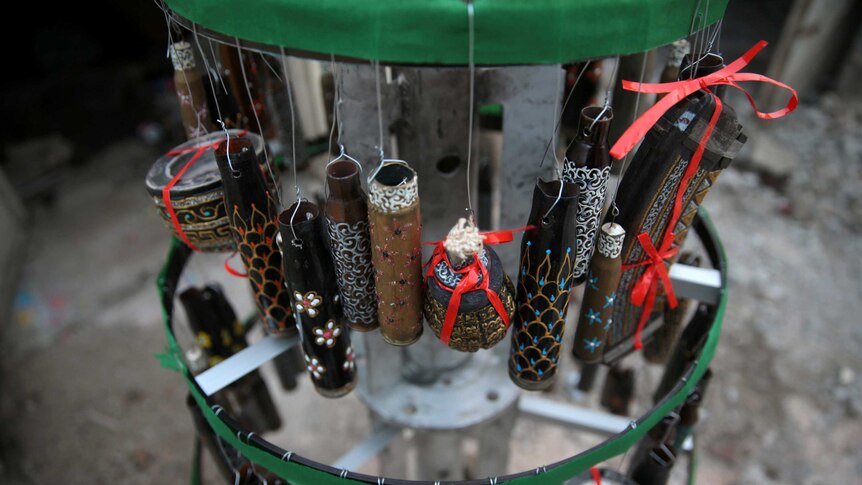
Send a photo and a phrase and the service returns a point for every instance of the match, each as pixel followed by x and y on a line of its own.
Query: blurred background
pixel 90 103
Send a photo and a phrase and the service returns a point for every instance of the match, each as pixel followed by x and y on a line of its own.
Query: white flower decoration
pixel 348 360
pixel 307 303
pixel 327 334
pixel 315 367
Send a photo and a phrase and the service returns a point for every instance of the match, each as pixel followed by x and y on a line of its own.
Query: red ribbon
pixel 645 289
pixel 166 192
pixel 232 271
pixel 596 474
pixel 470 279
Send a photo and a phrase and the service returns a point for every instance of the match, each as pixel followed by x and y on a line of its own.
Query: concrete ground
pixel 84 401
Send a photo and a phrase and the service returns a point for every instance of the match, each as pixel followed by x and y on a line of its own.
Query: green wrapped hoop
pixel 303 471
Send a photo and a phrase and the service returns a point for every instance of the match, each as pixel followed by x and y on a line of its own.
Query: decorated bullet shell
pixel 350 243
pixel 597 305
pixel 309 272
pixel 545 277
pixel 396 251
pixel 588 165
pixel 252 210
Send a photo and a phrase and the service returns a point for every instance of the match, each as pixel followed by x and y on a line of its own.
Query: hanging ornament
pixel 310 275
pixel 469 299
pixel 588 165
pixel 545 277
pixel 396 239
pixel 658 199
pixel 220 334
pixel 186 189
pixel 190 90
pixel 597 305
pixel 689 136
pixel 252 211
pixel 350 242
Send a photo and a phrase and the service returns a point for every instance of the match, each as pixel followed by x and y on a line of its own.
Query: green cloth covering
pixel 435 31
pixel 304 475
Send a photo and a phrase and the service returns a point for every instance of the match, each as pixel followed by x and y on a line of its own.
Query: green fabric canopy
pixel 435 31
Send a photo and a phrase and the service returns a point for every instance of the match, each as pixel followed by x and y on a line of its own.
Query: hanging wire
pixel 376 65
pixel 472 73
pixel 335 102
pixel 605 104
pixel 266 159
pixel 272 69
pixel 705 30
pixel 292 121
pixel 374 173
pixel 215 59
pixel 615 211
pixel 206 66
pixel 296 242
pixel 559 120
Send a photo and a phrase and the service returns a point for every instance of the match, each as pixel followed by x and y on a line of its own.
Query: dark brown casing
pixel 252 211
pixel 308 268
pixel 350 244
pixel 396 249
pixel 588 165
pixel 597 305
pixel 545 278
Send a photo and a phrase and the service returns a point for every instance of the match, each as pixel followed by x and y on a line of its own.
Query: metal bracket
pixel 367 449
pixel 598 422
pixel 241 363
pixel 701 284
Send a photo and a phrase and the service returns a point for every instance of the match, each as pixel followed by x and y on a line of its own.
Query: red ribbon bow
pixel 166 192
pixel 470 280
pixel 645 289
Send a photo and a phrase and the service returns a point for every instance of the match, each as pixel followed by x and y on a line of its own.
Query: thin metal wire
pixel 559 194
pixel 606 103
pixel 296 242
pixel 555 133
pixel 272 69
pixel 373 174
pixel 236 173
pixel 705 35
pixel 292 136
pixel 604 110
pixel 334 102
pixel 472 73
pixel 206 66
pixel 266 159
pixel 615 211
pixel 376 65
pixel 215 59
pixel 563 110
